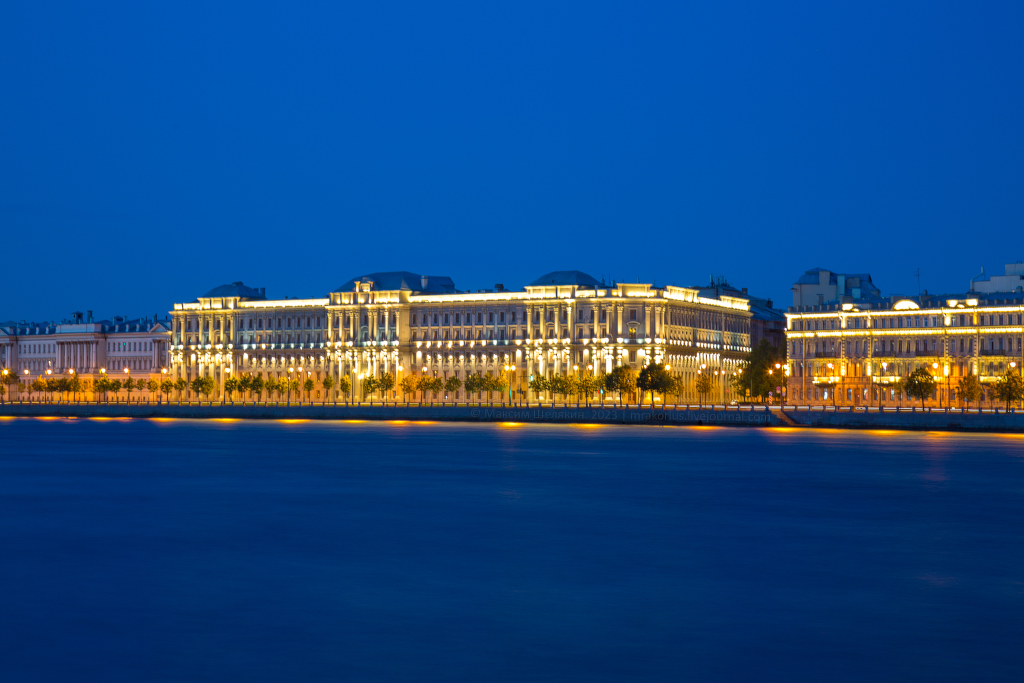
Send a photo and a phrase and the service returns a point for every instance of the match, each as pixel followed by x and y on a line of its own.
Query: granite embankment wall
pixel 954 420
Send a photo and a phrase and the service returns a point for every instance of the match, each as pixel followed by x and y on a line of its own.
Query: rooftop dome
pixel 565 277
pixel 235 289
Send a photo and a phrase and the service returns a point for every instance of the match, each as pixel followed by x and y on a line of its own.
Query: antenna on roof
pixel 918 274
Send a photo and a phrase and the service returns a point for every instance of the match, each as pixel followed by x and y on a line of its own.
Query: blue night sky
pixel 150 151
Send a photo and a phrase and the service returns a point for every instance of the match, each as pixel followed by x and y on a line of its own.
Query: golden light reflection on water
pixel 225 419
pixel 292 422
pixel 424 422
pixel 162 419
pixel 587 425
pixel 511 424
pixel 398 422
pixel 8 417
pixel 101 419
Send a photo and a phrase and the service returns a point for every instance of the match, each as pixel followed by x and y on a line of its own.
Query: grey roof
pixel 810 277
pixel 565 277
pixel 762 312
pixel 234 289
pixel 402 279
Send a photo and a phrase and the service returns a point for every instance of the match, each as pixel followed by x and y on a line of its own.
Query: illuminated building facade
pixel 136 348
pixel 403 323
pixel 855 353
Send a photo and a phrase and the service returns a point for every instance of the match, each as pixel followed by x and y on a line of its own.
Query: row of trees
pixel 255 385
pixel 653 379
pixel 921 384
pixel 74 386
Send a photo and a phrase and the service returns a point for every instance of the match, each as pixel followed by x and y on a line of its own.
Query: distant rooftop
pixel 402 280
pixel 235 289
pixel 565 277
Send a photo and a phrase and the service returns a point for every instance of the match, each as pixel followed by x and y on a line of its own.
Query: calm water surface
pixel 263 551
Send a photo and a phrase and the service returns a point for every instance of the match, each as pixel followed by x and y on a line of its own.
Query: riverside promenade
pixel 953 419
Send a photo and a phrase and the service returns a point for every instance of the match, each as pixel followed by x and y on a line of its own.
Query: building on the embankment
pixel 403 323
pixel 855 351
pixel 123 348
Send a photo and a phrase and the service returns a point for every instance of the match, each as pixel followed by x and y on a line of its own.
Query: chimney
pixel 499 287
pixel 263 291
pixel 89 319
pixel 744 290
pixel 423 281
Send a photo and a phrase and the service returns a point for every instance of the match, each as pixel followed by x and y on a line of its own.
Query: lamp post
pixel 4 380
pixel 509 369
pixel 700 371
pixel 1013 364
pixel 884 366
pixel 831 382
pixel 782 385
pixel 590 369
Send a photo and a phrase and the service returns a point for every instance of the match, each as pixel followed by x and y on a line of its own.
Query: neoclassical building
pixel 855 352
pixel 403 323
pixel 121 347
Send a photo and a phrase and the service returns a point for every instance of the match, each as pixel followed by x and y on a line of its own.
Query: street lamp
pixel 831 383
pixel 884 366
pixel 782 385
pixel 509 368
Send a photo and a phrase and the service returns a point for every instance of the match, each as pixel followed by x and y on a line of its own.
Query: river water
pixel 144 550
